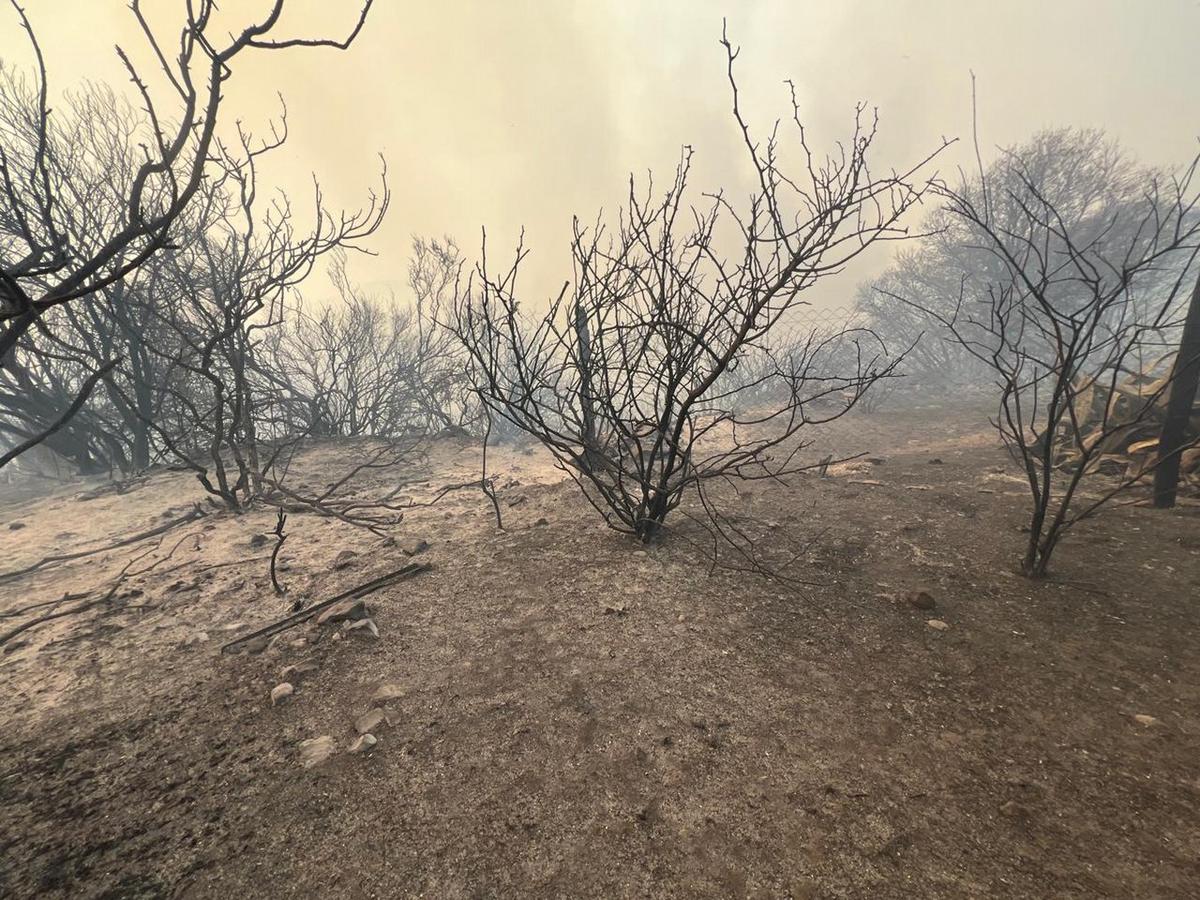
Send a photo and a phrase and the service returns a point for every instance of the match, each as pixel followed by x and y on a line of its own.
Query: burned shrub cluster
pixel 1060 277
pixel 658 368
pixel 151 309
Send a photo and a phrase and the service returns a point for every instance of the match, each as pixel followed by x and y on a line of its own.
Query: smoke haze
pixel 523 113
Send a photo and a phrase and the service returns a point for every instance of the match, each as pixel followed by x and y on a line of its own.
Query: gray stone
pixel 281 692
pixel 345 559
pixel 371 721
pixel 316 750
pixel 363 743
pixel 347 610
pixel 386 693
pixel 920 599
pixel 363 628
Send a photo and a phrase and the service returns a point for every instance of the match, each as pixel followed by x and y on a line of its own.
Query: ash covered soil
pixel 571 715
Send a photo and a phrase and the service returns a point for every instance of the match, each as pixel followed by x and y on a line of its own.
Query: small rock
pixel 876 460
pixel 345 559
pixel 281 692
pixel 542 521
pixel 371 721
pixel 421 547
pixel 348 610
pixel 316 750
pixel 295 672
pixel 935 462
pixel 258 540
pixel 615 607
pixel 1013 810
pixel 387 693
pixel 363 743
pixel 16 526
pixel 362 627
pixel 937 625
pixel 256 646
pixel 920 599
pixel 1148 721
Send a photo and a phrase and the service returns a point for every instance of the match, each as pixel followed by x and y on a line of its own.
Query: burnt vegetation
pixel 779 542
pixel 152 310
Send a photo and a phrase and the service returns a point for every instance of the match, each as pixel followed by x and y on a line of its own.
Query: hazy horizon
pixel 525 114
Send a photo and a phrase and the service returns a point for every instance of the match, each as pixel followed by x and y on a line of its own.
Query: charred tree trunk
pixel 587 406
pixel 141 431
pixel 1182 399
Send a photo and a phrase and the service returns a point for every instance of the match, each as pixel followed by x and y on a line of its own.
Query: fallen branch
pixel 373 524
pixel 196 513
pixel 65 598
pixel 409 571
pixel 195 536
pixel 58 614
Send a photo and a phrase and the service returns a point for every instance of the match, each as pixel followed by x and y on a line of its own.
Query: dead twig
pixel 65 598
pixel 409 571
pixel 196 513
pixel 58 614
pixel 489 484
pixel 280 538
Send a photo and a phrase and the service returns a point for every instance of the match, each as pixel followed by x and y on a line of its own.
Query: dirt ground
pixel 575 717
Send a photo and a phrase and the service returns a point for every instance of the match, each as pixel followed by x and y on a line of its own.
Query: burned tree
pixel 338 373
pixel 226 288
pixel 1077 280
pixel 44 264
pixel 1178 430
pixel 1079 172
pixel 110 333
pixel 623 378
pixel 369 365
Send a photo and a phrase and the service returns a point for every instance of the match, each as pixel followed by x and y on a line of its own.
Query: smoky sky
pixel 525 112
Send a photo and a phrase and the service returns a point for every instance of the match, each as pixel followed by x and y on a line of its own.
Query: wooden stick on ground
pixel 196 513
pixel 58 614
pixel 362 590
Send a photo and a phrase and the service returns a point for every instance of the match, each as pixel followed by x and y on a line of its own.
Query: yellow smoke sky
pixel 516 113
